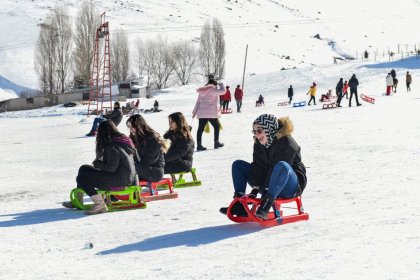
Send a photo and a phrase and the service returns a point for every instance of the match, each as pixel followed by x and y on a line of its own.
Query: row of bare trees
pixel 63 57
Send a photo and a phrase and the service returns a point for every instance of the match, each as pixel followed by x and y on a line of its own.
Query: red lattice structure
pixel 100 97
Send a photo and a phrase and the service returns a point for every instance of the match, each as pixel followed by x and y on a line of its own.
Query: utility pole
pixel 243 75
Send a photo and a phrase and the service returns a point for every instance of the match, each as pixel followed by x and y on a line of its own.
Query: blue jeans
pixel 283 181
pixel 96 122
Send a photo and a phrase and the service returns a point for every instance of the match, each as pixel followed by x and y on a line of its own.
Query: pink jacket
pixel 207 105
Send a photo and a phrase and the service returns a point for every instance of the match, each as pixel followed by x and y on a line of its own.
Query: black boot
pixel 266 203
pixel 237 210
pixel 217 144
pixel 200 147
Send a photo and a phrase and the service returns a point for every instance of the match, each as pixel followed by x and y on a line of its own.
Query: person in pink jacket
pixel 206 109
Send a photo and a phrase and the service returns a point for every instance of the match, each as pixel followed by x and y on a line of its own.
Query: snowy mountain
pixel 280 34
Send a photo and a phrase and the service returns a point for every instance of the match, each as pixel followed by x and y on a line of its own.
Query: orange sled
pixel 367 98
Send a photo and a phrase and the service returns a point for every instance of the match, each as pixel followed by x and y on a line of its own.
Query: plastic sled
pixel 154 190
pixel 299 104
pixel 275 217
pixel 285 103
pixel 329 105
pixel 367 98
pixel 180 182
pixel 227 111
pixel 133 198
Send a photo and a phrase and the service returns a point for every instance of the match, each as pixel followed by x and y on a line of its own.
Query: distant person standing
pixel 408 81
pixel 206 111
pixel 394 80
pixel 238 97
pixel 226 100
pixel 312 92
pixel 339 91
pixel 353 84
pixel 389 83
pixel 345 88
pixel 290 94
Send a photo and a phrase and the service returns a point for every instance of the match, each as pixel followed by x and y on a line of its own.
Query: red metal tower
pixel 100 97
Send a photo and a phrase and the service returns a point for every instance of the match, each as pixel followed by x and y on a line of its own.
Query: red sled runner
pixel 227 111
pixel 275 218
pixel 367 98
pixel 329 105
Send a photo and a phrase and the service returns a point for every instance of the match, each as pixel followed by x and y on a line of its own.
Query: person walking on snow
pixel 276 171
pixel 206 111
pixel 408 81
pixel 226 99
pixel 353 84
pixel 312 92
pixel 339 91
pixel 389 83
pixel 290 94
pixel 238 97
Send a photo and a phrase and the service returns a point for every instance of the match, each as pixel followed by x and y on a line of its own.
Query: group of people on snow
pixel 226 98
pixel 276 170
pixel 392 82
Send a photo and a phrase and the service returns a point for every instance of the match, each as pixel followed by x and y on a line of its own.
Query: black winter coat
pixel 353 82
pixel 339 87
pixel 282 149
pixel 290 92
pixel 117 165
pixel 115 116
pixel 150 162
pixel 181 150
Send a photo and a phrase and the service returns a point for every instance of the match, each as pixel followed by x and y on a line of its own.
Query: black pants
pixel 340 96
pixel 238 105
pixel 312 98
pixel 408 86
pixel 290 99
pixel 89 178
pixel 176 167
pixel 202 124
pixel 225 104
pixel 353 91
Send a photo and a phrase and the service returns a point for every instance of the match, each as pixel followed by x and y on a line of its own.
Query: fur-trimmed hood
pixel 286 127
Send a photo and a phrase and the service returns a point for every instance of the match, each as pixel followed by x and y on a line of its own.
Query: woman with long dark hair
pixel 112 167
pixel 150 149
pixel 179 157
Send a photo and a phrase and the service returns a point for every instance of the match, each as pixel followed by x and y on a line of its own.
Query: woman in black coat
pixel 150 147
pixel 113 166
pixel 179 157
pixel 276 170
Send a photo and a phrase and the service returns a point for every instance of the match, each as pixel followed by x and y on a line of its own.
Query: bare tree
pixel 184 57
pixel 212 49
pixel 160 61
pixel 120 56
pixel 140 56
pixel 88 20
pixel 45 57
pixel 62 25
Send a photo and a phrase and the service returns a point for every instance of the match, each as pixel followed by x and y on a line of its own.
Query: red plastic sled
pixel 275 218
pixel 228 111
pixel 367 98
pixel 329 105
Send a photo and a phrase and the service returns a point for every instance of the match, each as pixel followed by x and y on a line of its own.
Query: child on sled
pixel 276 169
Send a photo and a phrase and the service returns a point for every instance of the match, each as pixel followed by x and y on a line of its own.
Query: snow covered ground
pixel 362 195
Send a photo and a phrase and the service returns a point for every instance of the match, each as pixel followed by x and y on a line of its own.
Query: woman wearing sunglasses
pixel 276 169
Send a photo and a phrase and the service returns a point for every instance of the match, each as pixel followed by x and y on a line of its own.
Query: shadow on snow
pixel 40 217
pixel 195 237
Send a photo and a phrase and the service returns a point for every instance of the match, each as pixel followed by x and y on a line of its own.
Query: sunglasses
pixel 257 131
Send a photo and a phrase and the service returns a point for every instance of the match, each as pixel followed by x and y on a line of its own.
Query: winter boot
pixel 217 144
pixel 200 147
pixel 266 203
pixel 69 204
pixel 237 210
pixel 99 205
pixel 92 133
